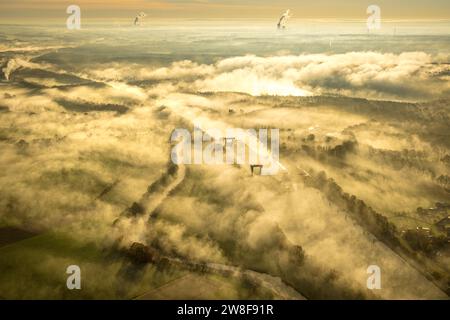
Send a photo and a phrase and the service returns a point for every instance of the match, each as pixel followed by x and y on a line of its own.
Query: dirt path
pixel 271 283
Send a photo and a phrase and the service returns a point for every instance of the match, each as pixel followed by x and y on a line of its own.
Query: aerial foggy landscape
pixel 88 178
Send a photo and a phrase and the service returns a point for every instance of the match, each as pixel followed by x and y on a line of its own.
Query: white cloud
pixel 406 76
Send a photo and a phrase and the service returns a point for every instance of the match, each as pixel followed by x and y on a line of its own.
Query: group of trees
pixel 410 242
pixel 338 150
pixel 424 242
pixel 372 221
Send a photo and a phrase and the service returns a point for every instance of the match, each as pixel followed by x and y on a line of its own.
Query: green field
pixel 35 268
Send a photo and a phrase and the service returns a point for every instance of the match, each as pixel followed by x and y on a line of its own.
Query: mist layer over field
pixel 85 124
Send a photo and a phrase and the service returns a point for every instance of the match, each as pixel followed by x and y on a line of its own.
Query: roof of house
pixel 445 221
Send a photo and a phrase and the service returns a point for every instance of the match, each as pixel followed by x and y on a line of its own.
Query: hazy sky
pixel 339 9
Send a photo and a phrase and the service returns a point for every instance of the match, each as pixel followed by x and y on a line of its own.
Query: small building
pixel 440 205
pixel 424 231
pixel 444 226
pixel 441 208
